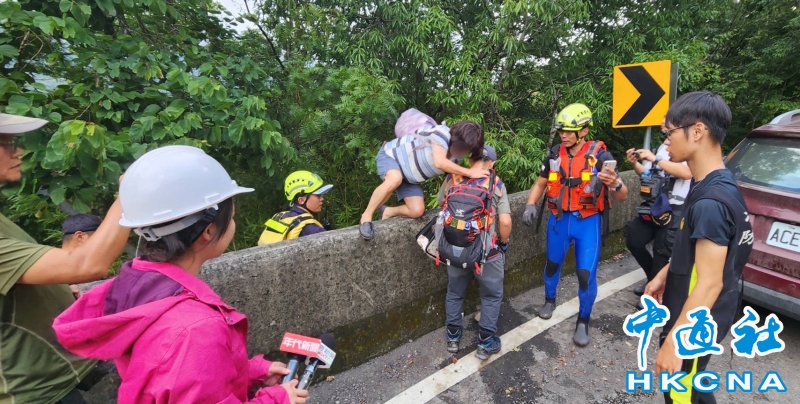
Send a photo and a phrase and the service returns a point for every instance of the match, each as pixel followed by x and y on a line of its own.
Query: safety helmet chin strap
pixel 579 137
pixel 307 196
pixel 302 205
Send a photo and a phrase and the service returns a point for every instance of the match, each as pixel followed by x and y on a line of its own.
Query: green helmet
pixel 304 182
pixel 574 118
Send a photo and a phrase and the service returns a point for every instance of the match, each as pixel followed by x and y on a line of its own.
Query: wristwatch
pixel 502 246
pixel 658 160
pixel 618 187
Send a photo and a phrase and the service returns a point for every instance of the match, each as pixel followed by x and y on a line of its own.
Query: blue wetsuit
pixel 588 238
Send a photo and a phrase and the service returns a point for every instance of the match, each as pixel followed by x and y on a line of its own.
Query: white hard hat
pixel 171 183
pixel 17 125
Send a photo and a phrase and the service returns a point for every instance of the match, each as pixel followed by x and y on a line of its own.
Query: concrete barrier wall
pixel 372 296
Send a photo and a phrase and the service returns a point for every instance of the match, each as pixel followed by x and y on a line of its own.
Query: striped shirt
pixel 414 153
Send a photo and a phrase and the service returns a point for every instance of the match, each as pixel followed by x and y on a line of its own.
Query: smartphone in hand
pixel 610 165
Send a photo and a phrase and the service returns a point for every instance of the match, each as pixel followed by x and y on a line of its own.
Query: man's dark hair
pixel 80 223
pixel 701 106
pixel 467 135
pixel 175 245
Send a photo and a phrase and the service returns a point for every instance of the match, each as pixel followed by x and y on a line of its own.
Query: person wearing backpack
pixel 422 150
pixel 713 242
pixel 305 192
pixel 474 229
pixel 577 187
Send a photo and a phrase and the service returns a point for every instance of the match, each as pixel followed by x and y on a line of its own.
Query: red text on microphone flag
pixel 300 345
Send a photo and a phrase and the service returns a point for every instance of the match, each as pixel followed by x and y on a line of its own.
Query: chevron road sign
pixel 642 93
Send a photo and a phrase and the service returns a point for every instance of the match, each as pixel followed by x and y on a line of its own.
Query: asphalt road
pixel 539 363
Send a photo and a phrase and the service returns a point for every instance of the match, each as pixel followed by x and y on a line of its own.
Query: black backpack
pixel 464 223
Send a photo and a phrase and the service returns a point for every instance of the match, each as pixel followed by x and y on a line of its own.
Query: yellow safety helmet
pixel 574 118
pixel 304 182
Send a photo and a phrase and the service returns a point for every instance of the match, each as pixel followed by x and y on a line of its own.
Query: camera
pixel 651 187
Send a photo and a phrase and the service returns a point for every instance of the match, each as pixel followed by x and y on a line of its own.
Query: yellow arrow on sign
pixel 641 94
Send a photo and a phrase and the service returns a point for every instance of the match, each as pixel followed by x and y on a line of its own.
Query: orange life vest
pixel 575 186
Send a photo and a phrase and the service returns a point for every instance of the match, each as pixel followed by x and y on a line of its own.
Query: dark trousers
pixel 691 367
pixel 638 233
pixel 490 283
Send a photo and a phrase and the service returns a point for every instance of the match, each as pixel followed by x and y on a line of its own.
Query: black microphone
pixel 294 365
pixel 326 339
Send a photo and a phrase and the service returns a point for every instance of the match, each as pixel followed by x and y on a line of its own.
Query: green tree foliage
pixel 318 84
pixel 125 77
pixel 756 49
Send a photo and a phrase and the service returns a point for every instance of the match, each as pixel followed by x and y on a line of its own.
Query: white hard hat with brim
pixel 17 125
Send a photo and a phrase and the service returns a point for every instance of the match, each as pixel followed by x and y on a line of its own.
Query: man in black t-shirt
pixel 714 238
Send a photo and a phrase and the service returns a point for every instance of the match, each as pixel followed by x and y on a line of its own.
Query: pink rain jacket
pixel 172 338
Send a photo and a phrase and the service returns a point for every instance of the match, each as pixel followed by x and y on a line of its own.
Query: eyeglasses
pixel 10 144
pixel 668 133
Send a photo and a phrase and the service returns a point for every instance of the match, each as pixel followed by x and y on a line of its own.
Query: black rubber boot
pixel 547 309
pixel 581 337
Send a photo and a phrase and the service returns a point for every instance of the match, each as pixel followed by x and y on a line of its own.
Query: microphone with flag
pixel 315 352
pixel 323 360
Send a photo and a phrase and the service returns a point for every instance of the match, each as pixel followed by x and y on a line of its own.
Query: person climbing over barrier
pixel 474 243
pixel 305 192
pixel 578 177
pixel 422 150
pixel 173 339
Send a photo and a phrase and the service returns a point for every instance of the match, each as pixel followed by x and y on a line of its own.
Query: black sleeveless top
pixel 718 186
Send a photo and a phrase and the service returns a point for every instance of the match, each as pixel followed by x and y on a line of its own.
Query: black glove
pixel 326 224
pixel 529 215
pixel 503 247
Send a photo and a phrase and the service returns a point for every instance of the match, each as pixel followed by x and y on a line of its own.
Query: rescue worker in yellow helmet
pixel 305 191
pixel 578 186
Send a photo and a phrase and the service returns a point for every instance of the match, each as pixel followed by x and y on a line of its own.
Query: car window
pixel 767 162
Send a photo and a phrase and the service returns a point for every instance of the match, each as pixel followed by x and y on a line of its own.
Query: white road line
pixel 442 380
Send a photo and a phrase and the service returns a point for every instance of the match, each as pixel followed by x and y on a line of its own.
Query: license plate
pixel 784 236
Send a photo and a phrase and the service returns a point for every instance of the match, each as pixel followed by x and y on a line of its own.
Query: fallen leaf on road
pixel 330 379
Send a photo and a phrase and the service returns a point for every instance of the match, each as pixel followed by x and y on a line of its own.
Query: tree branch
pixel 556 99
pixel 268 38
